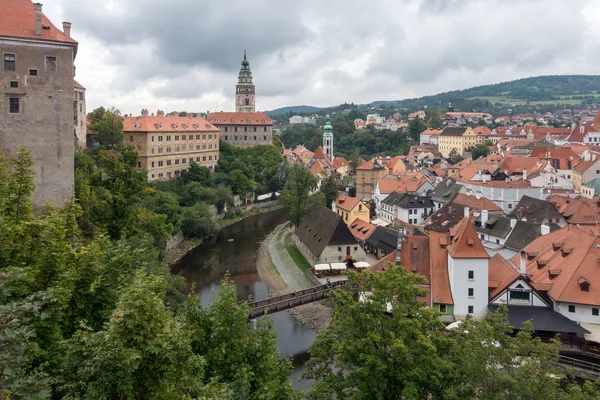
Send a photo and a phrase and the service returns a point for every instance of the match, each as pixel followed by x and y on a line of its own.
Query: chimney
pixel 484 218
pixel 67 28
pixel 513 223
pixel 37 7
pixel 466 212
pixel 144 112
pixel 523 263
pixel 545 229
pixel 160 113
pixel 524 174
pixel 399 246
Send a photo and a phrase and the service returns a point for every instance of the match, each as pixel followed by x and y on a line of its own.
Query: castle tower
pixel 244 90
pixel 328 138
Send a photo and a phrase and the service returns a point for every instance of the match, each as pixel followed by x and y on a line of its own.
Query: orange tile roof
pixel 440 283
pixel 17 19
pixel 583 165
pixel 299 150
pixel 465 243
pixel 469 171
pixel 482 130
pixel 361 230
pixel 576 211
pixel 500 274
pixel 554 152
pixel 320 154
pixel 167 124
pixel 474 203
pixel 369 165
pixel 516 165
pixel 346 203
pixel 561 259
pixel 432 132
pixel 406 185
pixel 239 118
pixel 317 168
pixel 394 161
pixel 339 162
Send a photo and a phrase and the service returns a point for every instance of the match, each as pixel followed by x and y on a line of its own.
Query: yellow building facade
pixel 460 139
pixel 351 208
pixel 167 145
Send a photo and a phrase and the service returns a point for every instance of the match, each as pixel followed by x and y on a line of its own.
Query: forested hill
pixel 540 90
pixel 564 89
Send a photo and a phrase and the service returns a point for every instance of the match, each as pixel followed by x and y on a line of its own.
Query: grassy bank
pixel 295 253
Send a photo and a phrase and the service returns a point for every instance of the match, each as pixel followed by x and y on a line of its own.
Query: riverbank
pixel 281 275
pixel 178 251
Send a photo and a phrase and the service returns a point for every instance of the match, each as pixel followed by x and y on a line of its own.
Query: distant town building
pixel 459 139
pixel 299 119
pixel 36 109
pixel 168 145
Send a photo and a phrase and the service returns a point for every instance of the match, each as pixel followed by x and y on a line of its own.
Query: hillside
pixel 293 110
pixel 553 89
pixel 546 92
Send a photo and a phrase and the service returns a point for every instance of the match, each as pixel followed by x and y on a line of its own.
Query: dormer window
pixel 541 263
pixel 556 246
pixel 196 126
pixel 175 126
pixel 136 126
pixel 185 126
pixel 248 120
pixel 553 273
pixel 470 242
pixel 584 284
pixel 217 120
pixel 232 120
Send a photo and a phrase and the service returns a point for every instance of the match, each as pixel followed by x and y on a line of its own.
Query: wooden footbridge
pixel 293 299
pixel 581 368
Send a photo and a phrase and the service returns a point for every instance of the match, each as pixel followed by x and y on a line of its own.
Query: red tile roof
pixel 318 167
pixel 239 118
pixel 560 260
pixel 474 203
pixel 320 154
pixel 405 185
pixel 339 162
pixel 576 211
pixel 583 165
pixel 77 85
pixel 361 230
pixel 346 203
pixel 167 124
pixel 500 274
pixel 440 283
pixel 465 243
pixel 17 19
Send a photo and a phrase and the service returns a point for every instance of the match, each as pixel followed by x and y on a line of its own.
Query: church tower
pixel 244 90
pixel 328 139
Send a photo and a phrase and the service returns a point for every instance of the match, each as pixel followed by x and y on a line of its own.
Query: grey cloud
pixel 328 52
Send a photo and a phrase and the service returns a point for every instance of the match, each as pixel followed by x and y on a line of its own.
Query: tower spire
pixel 244 90
pixel 328 138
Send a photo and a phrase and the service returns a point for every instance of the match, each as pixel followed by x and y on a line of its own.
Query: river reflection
pixel 234 249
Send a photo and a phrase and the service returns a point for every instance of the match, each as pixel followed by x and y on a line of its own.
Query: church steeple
pixel 328 138
pixel 244 90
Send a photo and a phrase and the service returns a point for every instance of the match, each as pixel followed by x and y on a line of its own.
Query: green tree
pixel 329 189
pixel 106 126
pixel 197 221
pixel 19 186
pixel 296 195
pixel 379 348
pixel 415 127
pixel 454 156
pixel 481 150
pixel 355 159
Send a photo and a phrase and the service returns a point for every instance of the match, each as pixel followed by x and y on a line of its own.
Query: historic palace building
pixel 245 127
pixel 168 145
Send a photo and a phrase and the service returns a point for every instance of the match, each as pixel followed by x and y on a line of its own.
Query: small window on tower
pixel 247 102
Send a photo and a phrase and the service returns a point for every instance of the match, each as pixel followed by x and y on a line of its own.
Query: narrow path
pixel 287 268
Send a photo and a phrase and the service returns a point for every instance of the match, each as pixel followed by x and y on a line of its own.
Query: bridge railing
pixel 291 295
pixel 584 366
pixel 291 300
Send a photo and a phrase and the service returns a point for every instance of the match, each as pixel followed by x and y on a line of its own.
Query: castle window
pixel 14 84
pixel 225 129
pixel 245 129
pixel 34 72
pixel 254 129
pixel 9 62
pixel 50 64
pixel 247 102
pixel 15 105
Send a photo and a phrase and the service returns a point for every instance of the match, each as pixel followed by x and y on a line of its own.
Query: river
pixel 234 249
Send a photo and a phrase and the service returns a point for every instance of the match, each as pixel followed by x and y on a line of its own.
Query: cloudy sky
pixel 185 54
